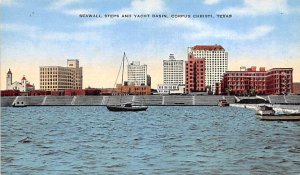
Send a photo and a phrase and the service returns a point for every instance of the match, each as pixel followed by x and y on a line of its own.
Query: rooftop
pixel 208 47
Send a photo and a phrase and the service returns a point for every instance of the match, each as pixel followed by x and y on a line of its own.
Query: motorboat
pixel 19 104
pixel 223 103
pixel 265 110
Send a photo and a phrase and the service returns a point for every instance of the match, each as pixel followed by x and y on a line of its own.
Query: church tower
pixel 8 79
pixel 23 82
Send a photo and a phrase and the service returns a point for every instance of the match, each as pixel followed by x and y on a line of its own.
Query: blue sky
pixel 38 33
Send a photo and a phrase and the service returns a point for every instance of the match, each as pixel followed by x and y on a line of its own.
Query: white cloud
pixel 196 30
pixel 252 34
pixel 62 3
pixel 211 2
pixel 14 27
pixel 76 12
pixel 258 7
pixel 36 33
pixel 63 36
pixel 147 6
pixel 8 3
pixel 62 6
pixel 136 7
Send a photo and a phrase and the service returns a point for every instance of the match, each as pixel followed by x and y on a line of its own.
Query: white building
pixel 173 72
pixel 169 89
pixel 22 86
pixel 137 73
pixel 216 62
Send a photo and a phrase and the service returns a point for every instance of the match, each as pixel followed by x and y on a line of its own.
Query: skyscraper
pixel 137 73
pixel 173 71
pixel 173 74
pixel 195 74
pixel 216 62
pixel 59 78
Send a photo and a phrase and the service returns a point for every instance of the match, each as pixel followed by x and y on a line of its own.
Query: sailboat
pixel 126 106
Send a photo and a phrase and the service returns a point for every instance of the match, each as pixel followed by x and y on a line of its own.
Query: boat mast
pixel 122 77
pixel 123 69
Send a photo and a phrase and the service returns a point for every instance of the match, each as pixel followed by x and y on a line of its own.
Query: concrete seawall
pixel 150 100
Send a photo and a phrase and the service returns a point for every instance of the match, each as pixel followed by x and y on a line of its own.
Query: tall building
pixel 23 86
pixel 173 71
pixel 55 78
pixel 250 81
pixel 216 62
pixel 137 73
pixel 148 80
pixel 195 74
pixel 173 74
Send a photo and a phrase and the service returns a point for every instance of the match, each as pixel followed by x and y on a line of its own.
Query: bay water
pixel 161 140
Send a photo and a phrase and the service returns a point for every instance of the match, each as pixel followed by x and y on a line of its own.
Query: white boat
pixel 265 110
pixel 19 104
pixel 223 103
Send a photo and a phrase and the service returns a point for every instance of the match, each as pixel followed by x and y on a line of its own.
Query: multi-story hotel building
pixel 173 71
pixel 55 78
pixel 137 74
pixel 216 62
pixel 195 74
pixel 173 74
pixel 250 81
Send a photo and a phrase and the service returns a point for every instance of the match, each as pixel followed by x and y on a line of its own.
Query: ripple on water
pixel 163 140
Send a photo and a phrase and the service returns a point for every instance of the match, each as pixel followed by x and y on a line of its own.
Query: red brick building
pixel 296 88
pixel 10 93
pixel 195 74
pixel 250 81
pixel 132 90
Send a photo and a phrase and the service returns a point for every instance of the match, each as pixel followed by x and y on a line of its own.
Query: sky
pixel 47 33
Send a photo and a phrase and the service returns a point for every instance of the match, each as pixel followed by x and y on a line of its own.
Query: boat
pixel 281 117
pixel 223 103
pixel 265 110
pixel 125 106
pixel 19 104
pixel 129 106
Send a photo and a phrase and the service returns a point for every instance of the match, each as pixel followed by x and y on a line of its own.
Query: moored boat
pixel 223 103
pixel 126 107
pixel 265 110
pixel 19 104
pixel 282 117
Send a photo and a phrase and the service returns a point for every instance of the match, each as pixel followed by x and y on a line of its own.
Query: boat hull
pixel 280 118
pixel 126 109
pixel 265 113
pixel 19 104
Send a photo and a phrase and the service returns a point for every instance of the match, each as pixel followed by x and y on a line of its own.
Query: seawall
pixel 149 100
